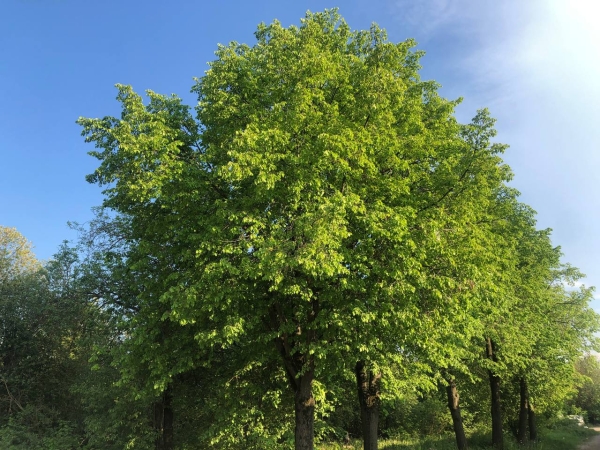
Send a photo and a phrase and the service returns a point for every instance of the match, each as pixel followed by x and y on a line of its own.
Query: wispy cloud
pixel 536 65
pixel 428 16
pixel 512 47
pixel 486 38
pixel 474 18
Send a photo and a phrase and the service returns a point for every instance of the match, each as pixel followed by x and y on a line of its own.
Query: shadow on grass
pixel 561 438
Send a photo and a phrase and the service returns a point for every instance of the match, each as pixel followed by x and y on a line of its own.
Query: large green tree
pixel 285 215
pixel 323 210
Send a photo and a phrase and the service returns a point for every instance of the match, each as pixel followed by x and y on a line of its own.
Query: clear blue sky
pixel 533 63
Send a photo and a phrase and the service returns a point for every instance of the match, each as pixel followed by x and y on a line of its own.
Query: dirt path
pixel 593 443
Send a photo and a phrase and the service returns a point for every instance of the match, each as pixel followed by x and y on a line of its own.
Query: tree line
pixel 318 248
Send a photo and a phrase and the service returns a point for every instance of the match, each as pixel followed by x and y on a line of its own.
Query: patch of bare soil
pixel 593 443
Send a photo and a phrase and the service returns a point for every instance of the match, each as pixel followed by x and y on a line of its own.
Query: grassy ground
pixel 565 437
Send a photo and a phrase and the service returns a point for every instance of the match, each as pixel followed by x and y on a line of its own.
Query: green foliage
pixel 316 192
pixel 35 429
pixel 587 399
pixel 16 255
pixel 40 322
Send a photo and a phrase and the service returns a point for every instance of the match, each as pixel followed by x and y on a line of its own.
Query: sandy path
pixel 593 443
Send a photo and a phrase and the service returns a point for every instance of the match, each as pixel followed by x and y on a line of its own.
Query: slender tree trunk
pixel 168 420
pixel 163 420
pixel 368 398
pixel 453 405
pixel 532 425
pixel 523 412
pixel 157 419
pixel 496 410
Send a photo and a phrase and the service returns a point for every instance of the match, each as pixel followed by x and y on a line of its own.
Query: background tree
pixel 588 389
pixel 40 322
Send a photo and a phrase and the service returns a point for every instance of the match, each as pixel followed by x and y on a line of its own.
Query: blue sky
pixel 534 64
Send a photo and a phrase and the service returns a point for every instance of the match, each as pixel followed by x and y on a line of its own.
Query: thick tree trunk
pixel 496 410
pixel 453 405
pixel 305 412
pixel 532 425
pixel 368 398
pixel 523 412
pixel 163 420
pixel 300 371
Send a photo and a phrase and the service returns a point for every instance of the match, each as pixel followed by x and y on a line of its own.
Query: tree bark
pixel 453 405
pixel 532 424
pixel 523 412
pixel 300 370
pixel 157 420
pixel 168 436
pixel 305 412
pixel 163 420
pixel 368 398
pixel 496 410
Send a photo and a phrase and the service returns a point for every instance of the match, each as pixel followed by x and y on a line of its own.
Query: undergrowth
pixel 563 436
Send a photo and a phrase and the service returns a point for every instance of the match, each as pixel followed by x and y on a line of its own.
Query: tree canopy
pixel 323 206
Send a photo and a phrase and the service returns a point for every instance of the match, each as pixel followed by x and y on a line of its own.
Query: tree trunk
pixel 453 405
pixel 305 412
pixel 532 425
pixel 163 420
pixel 523 412
pixel 157 420
pixel 168 420
pixel 300 371
pixel 368 398
pixel 497 436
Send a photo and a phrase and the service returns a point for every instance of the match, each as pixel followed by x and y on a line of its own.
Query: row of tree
pixel 322 224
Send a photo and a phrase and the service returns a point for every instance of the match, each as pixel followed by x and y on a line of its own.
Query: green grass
pixel 563 437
